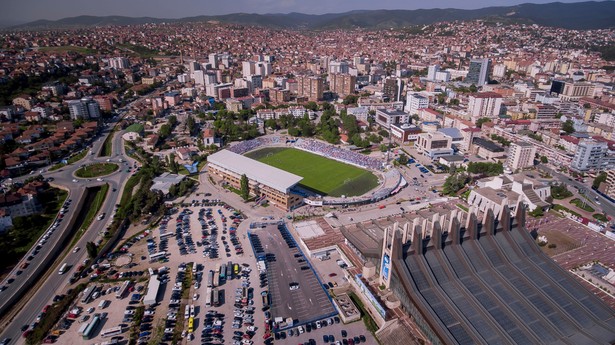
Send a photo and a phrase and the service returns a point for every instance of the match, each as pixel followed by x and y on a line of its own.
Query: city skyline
pixel 19 12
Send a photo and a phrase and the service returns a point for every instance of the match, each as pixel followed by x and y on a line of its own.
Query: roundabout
pixel 96 170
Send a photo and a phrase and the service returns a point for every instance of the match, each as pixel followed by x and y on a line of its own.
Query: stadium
pixel 289 173
pixel 467 281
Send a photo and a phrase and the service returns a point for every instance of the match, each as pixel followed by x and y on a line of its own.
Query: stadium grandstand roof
pixel 255 170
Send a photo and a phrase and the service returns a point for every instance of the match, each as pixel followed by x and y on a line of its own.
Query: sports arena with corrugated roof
pixel 467 282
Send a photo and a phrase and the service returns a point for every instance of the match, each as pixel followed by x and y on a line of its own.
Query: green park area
pixel 96 170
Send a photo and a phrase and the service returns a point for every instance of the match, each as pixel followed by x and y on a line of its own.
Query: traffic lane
pixel 38 259
pixel 45 295
pixel 605 204
pixel 51 287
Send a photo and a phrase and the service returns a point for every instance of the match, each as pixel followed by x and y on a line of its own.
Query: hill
pixel 580 15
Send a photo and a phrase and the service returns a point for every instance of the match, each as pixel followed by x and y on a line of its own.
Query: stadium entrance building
pixel 265 181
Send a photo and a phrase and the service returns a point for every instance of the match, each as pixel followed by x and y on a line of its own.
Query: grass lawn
pixel 99 198
pixel 96 169
pixel 107 145
pixel 600 217
pixel 135 127
pixel 558 207
pixel 562 242
pixel 72 159
pixel 322 175
pixel 582 205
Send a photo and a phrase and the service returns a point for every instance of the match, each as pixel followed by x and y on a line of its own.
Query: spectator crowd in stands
pixel 339 154
pixel 313 146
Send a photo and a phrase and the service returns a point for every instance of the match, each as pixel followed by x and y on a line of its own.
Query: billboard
pixel 370 297
pixel 386 266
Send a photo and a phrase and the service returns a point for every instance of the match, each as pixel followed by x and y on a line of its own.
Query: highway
pixel 65 177
pixel 606 206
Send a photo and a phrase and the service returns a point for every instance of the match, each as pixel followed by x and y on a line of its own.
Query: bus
pixel 216 279
pixel 223 271
pixel 215 301
pixel 236 269
pixel 89 331
pixel 157 256
pixel 165 235
pixel 210 278
pixel 217 268
pixel 191 325
pixel 208 297
pixel 111 332
pixel 63 268
pixel 229 270
pixel 122 291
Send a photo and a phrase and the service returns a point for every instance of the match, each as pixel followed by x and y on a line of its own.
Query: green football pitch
pixel 322 175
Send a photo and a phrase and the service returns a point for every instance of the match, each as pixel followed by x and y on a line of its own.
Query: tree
pixel 455 183
pixel 245 188
pixel 538 212
pixel 403 159
pixel 559 191
pixel 173 166
pixel 599 179
pixel 311 106
pixel 351 99
pixel 91 249
pixel 172 120
pixel 479 122
pixel 568 126
pixel 491 169
pixel 544 160
pixel 165 131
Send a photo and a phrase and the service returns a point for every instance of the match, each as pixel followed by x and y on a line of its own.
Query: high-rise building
pixel 431 72
pixel 499 70
pixel 392 89
pixel 444 76
pixel 342 84
pixel 545 111
pixel 248 68
pixel 416 102
pixel 484 104
pixel 85 108
pixel 338 67
pixel 590 155
pixel 520 156
pixel 213 60
pixel 194 66
pixel 478 73
pixel 609 184
pixel 119 63
pixel 310 87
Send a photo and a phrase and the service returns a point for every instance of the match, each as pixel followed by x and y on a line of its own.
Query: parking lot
pixel 295 290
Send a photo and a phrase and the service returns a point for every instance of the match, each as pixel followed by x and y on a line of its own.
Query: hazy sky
pixel 20 11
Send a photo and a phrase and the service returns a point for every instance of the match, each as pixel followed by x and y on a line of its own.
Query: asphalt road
pixel 76 186
pixel 606 206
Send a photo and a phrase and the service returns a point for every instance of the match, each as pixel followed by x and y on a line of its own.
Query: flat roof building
pixel 273 183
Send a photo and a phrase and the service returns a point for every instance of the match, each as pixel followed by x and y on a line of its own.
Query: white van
pixel 103 304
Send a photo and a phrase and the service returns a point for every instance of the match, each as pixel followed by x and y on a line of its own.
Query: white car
pixel 99 179
pixel 75 180
pixel 195 296
pixel 90 310
pixel 76 249
pixel 251 328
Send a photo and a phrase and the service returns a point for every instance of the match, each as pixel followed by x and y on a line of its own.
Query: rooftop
pixel 255 170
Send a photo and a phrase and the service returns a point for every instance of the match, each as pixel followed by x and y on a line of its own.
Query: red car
pixel 332 274
pixel 45 308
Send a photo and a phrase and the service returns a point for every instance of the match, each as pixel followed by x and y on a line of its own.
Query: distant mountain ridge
pixel 579 15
